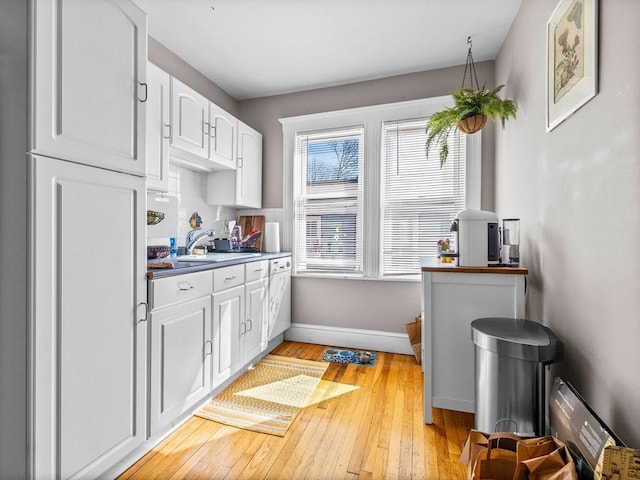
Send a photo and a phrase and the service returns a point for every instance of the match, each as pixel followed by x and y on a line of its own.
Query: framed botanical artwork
pixel 572 58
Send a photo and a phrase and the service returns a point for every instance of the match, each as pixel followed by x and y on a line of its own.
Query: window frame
pixel 372 118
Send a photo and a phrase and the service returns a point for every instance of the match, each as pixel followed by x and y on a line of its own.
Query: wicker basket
pixel 473 124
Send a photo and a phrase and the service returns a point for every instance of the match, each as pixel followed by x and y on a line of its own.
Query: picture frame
pixel 572 58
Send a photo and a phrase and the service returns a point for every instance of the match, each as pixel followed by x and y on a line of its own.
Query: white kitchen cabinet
pixel 223 129
pixel 228 318
pixel 90 91
pixel 254 336
pixel 249 172
pixel 158 128
pixel 189 125
pixel 88 318
pixel 203 135
pixel 242 187
pixel 180 367
pixel 452 297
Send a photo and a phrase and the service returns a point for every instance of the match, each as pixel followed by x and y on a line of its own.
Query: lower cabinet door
pixel 228 322
pixel 180 360
pixel 254 336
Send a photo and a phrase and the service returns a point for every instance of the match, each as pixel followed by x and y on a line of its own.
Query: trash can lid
pixel 517 338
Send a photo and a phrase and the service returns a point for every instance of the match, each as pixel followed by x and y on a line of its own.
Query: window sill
pixel 337 276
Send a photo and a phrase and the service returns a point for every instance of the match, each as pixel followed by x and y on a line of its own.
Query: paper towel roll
pixel 272 237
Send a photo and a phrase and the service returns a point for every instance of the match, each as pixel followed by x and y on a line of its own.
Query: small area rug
pixel 268 396
pixel 352 357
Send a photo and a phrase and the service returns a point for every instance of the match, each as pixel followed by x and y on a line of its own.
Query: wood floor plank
pixel 261 462
pixel 168 464
pixel 218 454
pixel 164 448
pixel 369 431
pixel 345 429
pixel 418 448
pixel 202 460
pixel 373 431
pixel 330 439
pixel 405 450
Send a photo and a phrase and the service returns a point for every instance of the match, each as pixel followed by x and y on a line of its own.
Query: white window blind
pixel 419 200
pixel 328 179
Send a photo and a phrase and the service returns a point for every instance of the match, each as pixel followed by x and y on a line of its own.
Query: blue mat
pixel 352 357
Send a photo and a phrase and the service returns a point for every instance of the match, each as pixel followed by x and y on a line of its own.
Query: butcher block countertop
pixel 433 264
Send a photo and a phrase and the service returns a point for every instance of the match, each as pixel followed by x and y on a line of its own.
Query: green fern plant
pixel 467 103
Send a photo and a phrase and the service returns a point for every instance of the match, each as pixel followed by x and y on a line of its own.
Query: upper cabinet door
pixel 158 129
pixel 190 123
pixel 249 177
pixel 223 129
pixel 90 82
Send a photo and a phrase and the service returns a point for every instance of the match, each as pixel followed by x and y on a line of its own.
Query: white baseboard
pixel 374 340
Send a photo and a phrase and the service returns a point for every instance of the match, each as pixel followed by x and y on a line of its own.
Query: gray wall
pixel 263 114
pixel 374 305
pixel 577 191
pixel 13 238
pixel 171 63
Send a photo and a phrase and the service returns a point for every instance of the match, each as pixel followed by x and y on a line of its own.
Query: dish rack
pixel 153 217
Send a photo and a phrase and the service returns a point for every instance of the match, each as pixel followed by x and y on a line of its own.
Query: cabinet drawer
pixel 172 290
pixel 256 270
pixel 228 277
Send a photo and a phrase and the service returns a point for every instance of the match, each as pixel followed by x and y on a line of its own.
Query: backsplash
pixel 188 187
pixel 187 194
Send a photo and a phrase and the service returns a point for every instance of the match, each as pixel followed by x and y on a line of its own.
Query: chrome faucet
pixel 193 236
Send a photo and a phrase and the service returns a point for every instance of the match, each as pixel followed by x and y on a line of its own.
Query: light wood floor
pixel 373 432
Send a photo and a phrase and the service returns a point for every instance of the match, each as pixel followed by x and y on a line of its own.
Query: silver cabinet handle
pixel 168 127
pixel 185 286
pixel 208 347
pixel 250 325
pixel 228 279
pixel 205 127
pixel 240 162
pixel 146 311
pixel 146 92
pixel 212 128
pixel 244 328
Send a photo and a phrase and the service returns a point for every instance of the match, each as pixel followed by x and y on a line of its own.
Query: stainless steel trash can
pixel 510 359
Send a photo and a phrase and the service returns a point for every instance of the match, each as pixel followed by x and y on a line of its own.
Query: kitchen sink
pixel 217 257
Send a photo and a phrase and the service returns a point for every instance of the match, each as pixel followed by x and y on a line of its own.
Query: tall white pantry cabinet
pixel 87 194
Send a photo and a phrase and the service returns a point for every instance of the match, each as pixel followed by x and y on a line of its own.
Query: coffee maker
pixel 477 238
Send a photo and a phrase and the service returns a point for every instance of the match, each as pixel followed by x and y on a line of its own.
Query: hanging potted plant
pixel 469 114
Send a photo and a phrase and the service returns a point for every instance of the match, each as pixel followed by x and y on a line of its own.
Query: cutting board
pixel 248 223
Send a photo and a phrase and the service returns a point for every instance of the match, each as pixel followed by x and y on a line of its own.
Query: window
pixel 362 200
pixel 328 200
pixel 419 199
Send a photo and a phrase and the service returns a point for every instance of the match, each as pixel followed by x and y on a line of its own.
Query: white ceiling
pixel 257 48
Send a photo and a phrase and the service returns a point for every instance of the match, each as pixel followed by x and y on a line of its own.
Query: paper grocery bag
pixel 490 456
pixel 498 462
pixel 475 444
pixel 414 330
pixel 544 458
